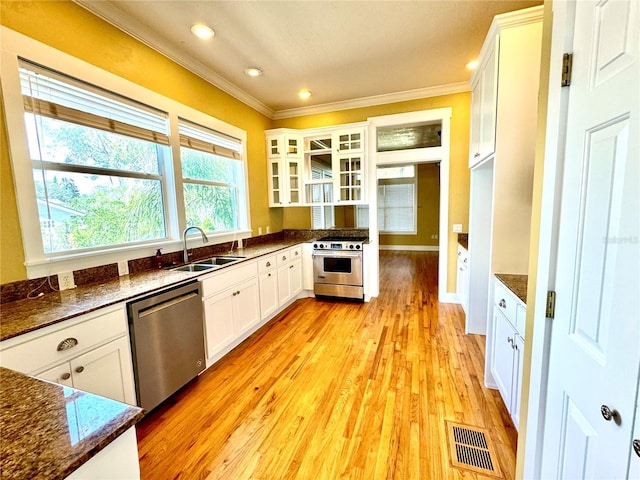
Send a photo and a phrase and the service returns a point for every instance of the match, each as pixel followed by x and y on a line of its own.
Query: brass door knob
pixel 608 414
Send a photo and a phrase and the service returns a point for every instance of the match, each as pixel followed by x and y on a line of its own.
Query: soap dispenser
pixel 158 258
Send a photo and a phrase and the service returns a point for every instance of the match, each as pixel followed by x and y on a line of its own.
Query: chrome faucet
pixel 185 253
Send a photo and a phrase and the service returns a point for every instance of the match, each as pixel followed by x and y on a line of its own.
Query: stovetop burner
pixel 342 239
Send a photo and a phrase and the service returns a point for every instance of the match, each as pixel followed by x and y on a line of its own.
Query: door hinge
pixel 551 304
pixel 567 65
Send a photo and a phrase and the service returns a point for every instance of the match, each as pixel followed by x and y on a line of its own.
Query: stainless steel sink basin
pixel 194 267
pixel 217 261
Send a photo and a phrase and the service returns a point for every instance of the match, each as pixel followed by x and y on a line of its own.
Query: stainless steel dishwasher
pixel 167 341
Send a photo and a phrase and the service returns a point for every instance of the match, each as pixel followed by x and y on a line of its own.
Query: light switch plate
pixel 457 228
pixel 123 268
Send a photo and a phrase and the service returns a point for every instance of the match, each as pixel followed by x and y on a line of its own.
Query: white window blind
pixel 55 95
pixel 206 140
pixel 397 199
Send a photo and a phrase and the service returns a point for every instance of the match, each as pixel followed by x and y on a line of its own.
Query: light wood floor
pixel 336 390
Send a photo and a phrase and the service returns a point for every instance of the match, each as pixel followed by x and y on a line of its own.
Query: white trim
pixel 14 44
pixel 140 32
pixel 557 110
pixel 443 114
pixel 412 248
pixel 375 100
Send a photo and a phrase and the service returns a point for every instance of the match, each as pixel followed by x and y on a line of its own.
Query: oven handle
pixel 337 254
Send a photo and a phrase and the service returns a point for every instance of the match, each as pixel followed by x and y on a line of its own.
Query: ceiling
pixel 344 52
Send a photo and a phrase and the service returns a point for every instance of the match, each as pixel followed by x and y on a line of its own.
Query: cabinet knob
pixel 290 266
pixel 636 446
pixel 477 154
pixel 269 275
pixel 510 340
pixel 502 303
pixel 268 264
pixel 80 369
pixel 297 253
pixel 609 414
pixel 284 257
pixel 67 343
pixel 65 376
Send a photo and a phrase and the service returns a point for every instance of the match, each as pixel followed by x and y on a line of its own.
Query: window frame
pixel 39 264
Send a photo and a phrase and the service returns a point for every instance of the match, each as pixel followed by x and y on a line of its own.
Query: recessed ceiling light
pixel 472 65
pixel 202 31
pixel 304 94
pixel 253 72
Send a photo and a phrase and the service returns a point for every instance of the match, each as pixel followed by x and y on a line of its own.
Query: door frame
pixel 549 183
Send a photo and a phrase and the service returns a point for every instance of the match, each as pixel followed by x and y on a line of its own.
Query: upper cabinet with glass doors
pixel 327 168
pixel 285 158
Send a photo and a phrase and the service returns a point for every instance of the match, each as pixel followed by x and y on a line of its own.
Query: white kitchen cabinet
pixel 484 89
pixel 462 279
pixel 349 177
pixel 231 301
pixel 507 348
pixel 268 281
pixel 503 135
pixel 289 274
pixel 349 140
pixel 285 174
pixel 91 353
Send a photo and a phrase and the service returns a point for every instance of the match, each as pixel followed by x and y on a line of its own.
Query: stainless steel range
pixel 337 267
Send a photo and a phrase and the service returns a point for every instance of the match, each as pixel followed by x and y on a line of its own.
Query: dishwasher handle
pixel 169 303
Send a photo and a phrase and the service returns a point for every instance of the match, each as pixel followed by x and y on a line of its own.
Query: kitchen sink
pixel 217 261
pixel 194 267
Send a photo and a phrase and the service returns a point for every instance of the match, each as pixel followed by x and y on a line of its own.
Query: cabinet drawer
pixel 266 263
pixel 228 277
pixel 37 352
pixel 505 302
pixel 295 253
pixel 283 256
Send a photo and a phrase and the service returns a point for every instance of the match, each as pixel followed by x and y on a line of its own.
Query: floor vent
pixel 470 448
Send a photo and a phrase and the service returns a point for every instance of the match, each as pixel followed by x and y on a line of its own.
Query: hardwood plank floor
pixel 337 390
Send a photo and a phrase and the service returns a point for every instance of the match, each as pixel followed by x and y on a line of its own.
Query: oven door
pixel 337 267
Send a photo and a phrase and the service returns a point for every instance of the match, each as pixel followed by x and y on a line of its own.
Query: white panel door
pixel 595 344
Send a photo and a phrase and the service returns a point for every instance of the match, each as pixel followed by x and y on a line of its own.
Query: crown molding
pixel 374 100
pixel 115 17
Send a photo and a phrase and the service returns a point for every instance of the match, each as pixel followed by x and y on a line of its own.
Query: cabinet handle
pixel 284 257
pixel 67 343
pixel 465 260
pixel 502 303
pixel 297 253
pixel 269 275
pixel 80 369
pixel 510 340
pixel 636 446
pixel 290 266
pixel 238 292
pixel 609 414
pixel 476 155
pixel 268 264
pixel 65 376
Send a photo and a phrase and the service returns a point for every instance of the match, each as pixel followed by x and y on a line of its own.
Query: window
pixel 397 199
pixel 106 170
pixel 212 175
pixel 96 161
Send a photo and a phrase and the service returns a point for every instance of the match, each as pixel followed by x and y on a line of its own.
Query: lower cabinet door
pixel 502 361
pixel 295 277
pixel 268 294
pixel 246 306
pixel 517 380
pixel 218 314
pixel 60 375
pixel 106 371
pixel 284 284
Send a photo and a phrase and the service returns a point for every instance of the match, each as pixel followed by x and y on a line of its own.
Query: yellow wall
pixel 428 210
pixel 73 30
pixel 458 169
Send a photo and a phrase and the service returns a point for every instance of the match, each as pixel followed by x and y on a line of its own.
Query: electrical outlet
pixel 65 280
pixel 268 229
pixel 123 268
pixel 259 230
pixel 457 228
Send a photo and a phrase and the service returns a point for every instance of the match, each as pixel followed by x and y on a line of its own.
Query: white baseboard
pixel 448 297
pixel 417 248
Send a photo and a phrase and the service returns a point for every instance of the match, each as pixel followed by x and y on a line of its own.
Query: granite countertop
pixel 516 283
pixel 27 315
pixel 50 430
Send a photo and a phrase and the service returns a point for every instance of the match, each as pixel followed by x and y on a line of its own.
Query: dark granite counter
pixel 516 283
pixel 49 430
pixel 27 315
